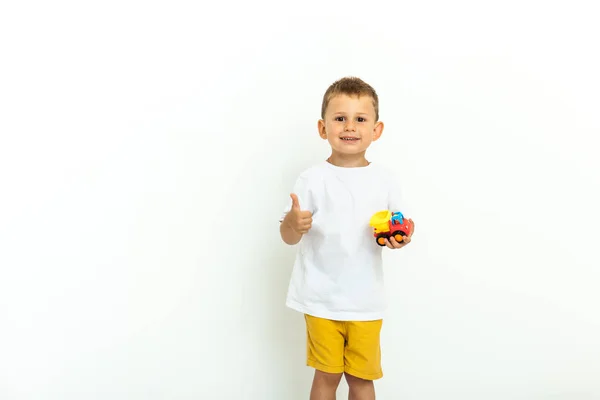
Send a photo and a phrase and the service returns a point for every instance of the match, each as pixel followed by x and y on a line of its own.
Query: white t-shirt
pixel 338 272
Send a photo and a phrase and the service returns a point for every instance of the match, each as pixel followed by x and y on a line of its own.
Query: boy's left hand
pixel 393 244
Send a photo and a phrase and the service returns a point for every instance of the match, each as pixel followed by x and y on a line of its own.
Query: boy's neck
pixel 348 161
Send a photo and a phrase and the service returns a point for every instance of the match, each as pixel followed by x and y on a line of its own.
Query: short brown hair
pixel 350 86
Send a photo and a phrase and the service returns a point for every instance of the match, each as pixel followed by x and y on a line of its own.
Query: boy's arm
pixel 288 234
pixel 396 203
pixel 296 223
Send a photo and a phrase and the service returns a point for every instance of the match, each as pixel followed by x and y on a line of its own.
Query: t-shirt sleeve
pixel 396 198
pixel 301 189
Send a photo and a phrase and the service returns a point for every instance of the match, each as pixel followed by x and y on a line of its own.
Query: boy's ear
pixel 322 131
pixel 378 130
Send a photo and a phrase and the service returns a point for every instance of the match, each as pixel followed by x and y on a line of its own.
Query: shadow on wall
pixel 283 330
pixel 276 334
pixel 286 329
pixel 569 396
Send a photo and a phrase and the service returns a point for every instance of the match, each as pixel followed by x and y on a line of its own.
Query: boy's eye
pixel 359 119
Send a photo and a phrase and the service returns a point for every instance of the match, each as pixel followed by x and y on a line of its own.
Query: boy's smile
pixel 350 126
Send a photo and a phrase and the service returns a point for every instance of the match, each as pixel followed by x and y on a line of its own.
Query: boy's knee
pixel 327 379
pixel 354 381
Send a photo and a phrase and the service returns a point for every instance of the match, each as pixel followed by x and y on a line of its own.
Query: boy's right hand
pixel 300 221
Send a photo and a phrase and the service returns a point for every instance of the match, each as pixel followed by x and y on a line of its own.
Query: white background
pixel 148 148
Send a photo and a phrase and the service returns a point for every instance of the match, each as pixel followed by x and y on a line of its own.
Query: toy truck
pixel 387 224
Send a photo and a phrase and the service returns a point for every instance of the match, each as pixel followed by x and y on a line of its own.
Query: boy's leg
pixel 360 389
pixel 325 353
pixel 324 385
pixel 362 358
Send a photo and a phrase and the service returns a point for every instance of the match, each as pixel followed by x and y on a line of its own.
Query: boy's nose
pixel 349 126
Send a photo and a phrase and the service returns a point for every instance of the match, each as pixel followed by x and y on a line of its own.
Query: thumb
pixel 295 202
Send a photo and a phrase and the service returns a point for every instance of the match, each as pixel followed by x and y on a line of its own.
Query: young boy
pixel 337 279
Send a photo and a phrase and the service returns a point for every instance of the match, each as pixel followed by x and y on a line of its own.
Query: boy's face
pixel 349 124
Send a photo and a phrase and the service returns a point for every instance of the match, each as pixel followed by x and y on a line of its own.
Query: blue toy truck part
pixel 397 217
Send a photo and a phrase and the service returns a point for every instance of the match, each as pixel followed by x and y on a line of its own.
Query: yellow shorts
pixel 344 346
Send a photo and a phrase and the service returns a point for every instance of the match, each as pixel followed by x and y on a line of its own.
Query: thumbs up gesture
pixel 300 221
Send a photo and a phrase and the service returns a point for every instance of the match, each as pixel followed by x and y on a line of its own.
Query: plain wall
pixel 147 150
